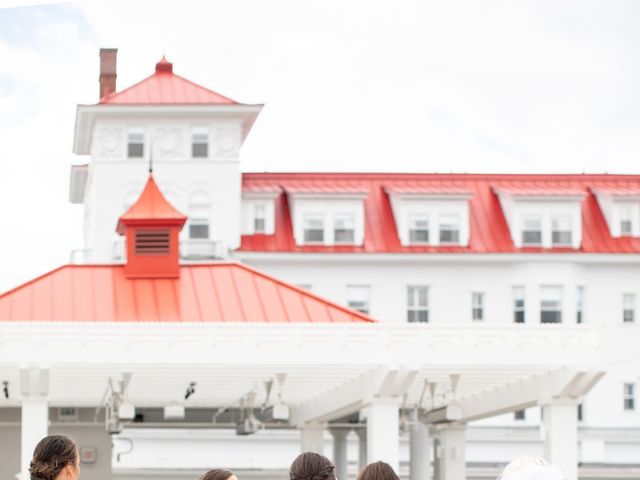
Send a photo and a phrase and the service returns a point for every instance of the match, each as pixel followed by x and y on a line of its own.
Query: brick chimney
pixel 107 71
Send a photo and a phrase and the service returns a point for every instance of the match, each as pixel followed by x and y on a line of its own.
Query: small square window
pixel 313 225
pixel 519 415
pixel 417 304
pixel 259 218
pixel 531 231
pixel 358 297
pixel 561 231
pixel 477 306
pixel 449 226
pixel 135 145
pixel 200 145
pixel 628 308
pixel 550 304
pixel 343 228
pixel 418 229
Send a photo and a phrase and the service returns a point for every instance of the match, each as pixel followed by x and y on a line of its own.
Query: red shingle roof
pixel 221 292
pixel 488 227
pixel 166 88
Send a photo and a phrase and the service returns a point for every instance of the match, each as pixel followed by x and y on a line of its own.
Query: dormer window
pixel 561 231
pixel 200 143
pixel 532 231
pixel 343 228
pixel 259 210
pixel 313 225
pixel 135 143
pixel 449 229
pixel 418 229
pixel 621 208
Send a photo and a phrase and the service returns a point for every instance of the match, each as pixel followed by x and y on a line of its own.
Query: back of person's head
pixel 51 455
pixel 311 466
pixel 530 468
pixel 378 471
pixel 218 474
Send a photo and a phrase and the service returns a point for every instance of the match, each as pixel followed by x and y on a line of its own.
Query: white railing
pixel 200 249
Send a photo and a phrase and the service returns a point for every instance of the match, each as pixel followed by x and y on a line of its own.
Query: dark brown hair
pixel 378 471
pixel 216 474
pixel 311 466
pixel 51 455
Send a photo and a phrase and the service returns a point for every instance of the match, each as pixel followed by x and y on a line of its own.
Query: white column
pixel 452 461
pixel 34 424
pixel 362 447
pixel 383 436
pixel 340 458
pixel 419 449
pixel 561 436
pixel 312 438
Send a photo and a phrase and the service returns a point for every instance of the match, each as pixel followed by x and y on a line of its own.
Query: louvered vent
pixel 152 242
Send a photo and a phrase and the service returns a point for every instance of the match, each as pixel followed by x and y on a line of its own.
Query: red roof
pixel 618 190
pixel 489 232
pixel 150 207
pixel 166 88
pixel 221 292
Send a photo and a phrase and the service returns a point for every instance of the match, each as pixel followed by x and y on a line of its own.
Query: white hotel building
pixel 506 310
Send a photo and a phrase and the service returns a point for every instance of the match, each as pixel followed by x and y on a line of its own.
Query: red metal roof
pixel 151 206
pixel 618 190
pixel 220 292
pixel 488 227
pixel 166 88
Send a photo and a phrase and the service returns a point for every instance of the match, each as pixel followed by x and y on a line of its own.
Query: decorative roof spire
pixel 164 66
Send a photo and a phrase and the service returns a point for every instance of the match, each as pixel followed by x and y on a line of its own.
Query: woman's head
pixel 218 474
pixel 378 471
pixel 55 456
pixel 311 466
pixel 530 468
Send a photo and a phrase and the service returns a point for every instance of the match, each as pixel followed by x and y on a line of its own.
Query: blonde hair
pixel 530 468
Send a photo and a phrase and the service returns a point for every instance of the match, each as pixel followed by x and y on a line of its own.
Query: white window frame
pixel 531 218
pixel 412 222
pixel 311 217
pixel 359 298
pixel 136 132
pixel 556 220
pixel 518 293
pixel 579 304
pixel 629 397
pixel 415 308
pixel 445 219
pixel 197 134
pixel 259 214
pixel 477 306
pixel 545 296
pixel 629 307
pixel 340 216
pixel 201 218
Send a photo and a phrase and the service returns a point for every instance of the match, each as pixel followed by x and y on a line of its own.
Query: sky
pixel 415 86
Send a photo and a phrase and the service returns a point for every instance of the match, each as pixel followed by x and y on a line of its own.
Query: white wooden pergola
pixel 331 370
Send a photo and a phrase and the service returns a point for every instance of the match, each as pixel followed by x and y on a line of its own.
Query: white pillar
pixel 561 436
pixel 452 461
pixel 34 426
pixel 383 436
pixel 340 458
pixel 312 438
pixel 362 447
pixel 419 449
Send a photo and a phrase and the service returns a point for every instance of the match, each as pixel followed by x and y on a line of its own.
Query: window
pixel 358 297
pixel 313 225
pixel 531 231
pixel 519 415
pixel 418 229
pixel 200 143
pixel 135 144
pixel 518 304
pixel 561 230
pixel 579 303
pixel 343 228
pixel 259 218
pixel 580 412
pixel 629 396
pixel 629 307
pixel 626 220
pixel 198 222
pixel 417 304
pixel 477 306
pixel 550 304
pixel 449 229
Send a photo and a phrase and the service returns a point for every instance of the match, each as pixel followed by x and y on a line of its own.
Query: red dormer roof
pixel 166 88
pixel 151 208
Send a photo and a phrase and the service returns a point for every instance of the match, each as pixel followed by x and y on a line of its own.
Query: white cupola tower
pixel 191 134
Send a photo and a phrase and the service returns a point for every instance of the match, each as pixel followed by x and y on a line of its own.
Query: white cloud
pixel 359 85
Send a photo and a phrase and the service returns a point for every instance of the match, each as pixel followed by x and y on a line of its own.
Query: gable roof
pixel 489 232
pixel 166 88
pixel 218 292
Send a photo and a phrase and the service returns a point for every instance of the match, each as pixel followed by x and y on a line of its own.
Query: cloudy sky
pixel 491 86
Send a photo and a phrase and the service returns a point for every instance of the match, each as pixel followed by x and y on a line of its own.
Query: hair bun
pixel 42 471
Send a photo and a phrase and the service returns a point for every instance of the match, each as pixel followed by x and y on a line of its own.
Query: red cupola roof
pixel 151 227
pixel 166 88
